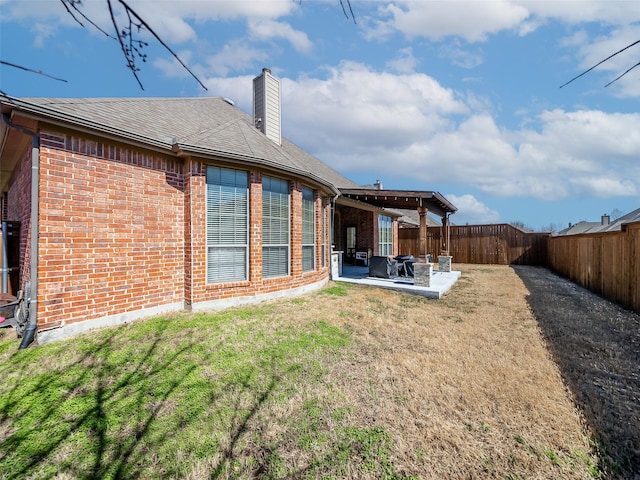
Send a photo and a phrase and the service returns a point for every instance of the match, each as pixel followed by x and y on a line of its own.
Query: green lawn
pixel 225 395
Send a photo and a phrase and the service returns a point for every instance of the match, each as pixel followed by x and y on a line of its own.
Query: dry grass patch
pixel 465 385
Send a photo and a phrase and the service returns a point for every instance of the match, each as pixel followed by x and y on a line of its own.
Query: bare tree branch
pixel 132 47
pixel 620 76
pixel 152 32
pixel 350 9
pixel 74 5
pixel 602 61
pixel 121 39
pixel 39 72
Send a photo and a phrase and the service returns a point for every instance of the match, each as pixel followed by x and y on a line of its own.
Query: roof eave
pixel 220 155
pixel 39 113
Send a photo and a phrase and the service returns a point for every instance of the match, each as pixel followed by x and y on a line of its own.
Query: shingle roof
pixel 596 227
pixel 580 227
pixel 208 125
pixel 633 216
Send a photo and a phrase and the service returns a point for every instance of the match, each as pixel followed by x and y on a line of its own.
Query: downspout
pixel 30 332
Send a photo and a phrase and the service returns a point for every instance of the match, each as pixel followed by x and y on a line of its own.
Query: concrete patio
pixel 441 282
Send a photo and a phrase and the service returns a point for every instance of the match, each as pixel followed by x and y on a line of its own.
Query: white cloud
pixel 404 62
pixel 371 103
pixel 42 32
pixel 460 55
pixel 608 186
pixel 475 20
pixel 170 19
pixel 410 126
pixel 471 20
pixel 615 12
pixel 234 56
pixel 471 211
pixel 269 30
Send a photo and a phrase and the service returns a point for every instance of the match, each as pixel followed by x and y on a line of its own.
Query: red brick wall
pixel 366 223
pixel 367 233
pixel 124 230
pixel 111 230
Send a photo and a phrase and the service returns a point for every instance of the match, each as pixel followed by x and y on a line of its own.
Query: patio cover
pixel 422 201
pixel 403 199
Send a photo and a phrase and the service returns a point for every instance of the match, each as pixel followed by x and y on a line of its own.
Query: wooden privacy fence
pixel 605 263
pixel 501 244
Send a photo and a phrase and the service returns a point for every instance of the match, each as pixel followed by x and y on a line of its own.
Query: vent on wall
pixel 266 105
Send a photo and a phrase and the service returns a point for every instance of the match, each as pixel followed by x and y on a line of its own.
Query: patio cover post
pixel 422 237
pixel 445 235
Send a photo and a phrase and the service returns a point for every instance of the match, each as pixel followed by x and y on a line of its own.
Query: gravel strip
pixel 596 344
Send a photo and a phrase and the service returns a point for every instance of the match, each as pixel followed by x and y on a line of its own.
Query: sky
pixel 459 97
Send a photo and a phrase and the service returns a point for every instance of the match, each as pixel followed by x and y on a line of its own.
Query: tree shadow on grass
pixel 78 398
pixel 596 345
pixel 111 409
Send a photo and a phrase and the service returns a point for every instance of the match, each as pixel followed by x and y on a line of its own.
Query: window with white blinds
pixel 385 235
pixel 275 227
pixel 308 230
pixel 227 224
pixel 323 212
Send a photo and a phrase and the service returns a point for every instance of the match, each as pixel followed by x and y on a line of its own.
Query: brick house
pixel 131 207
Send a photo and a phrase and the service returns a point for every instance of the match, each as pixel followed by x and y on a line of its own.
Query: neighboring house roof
pixel 595 227
pixel 633 216
pixel 580 227
pixel 204 126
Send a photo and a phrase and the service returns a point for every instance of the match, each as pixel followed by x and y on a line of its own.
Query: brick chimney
pixel 266 106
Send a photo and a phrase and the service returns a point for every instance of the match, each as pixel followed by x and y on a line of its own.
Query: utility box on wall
pixel 10 258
